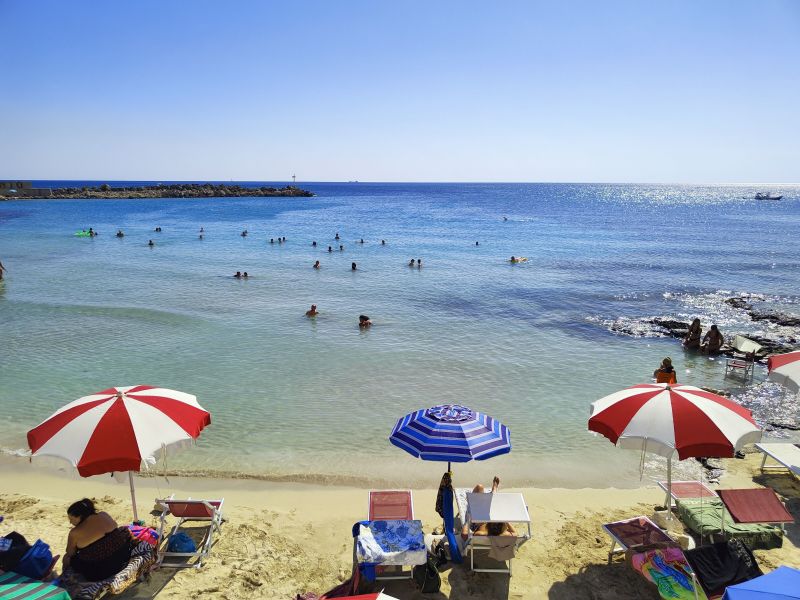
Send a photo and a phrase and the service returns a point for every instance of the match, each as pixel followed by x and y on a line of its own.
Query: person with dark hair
pixel 665 373
pixel 96 547
pixel 316 265
pixel 150 243
pixel 712 341
pixel 336 237
pixel 692 339
pixel 314 243
pixel 312 312
pixel 238 275
pixel 383 242
pixel 353 266
pixel 364 322
pixel 411 264
pixel 493 529
pixel 119 233
pixel 330 249
pixel 419 263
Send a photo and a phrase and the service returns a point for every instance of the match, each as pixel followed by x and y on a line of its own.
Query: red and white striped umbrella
pixel 665 419
pixel 119 428
pixel 785 369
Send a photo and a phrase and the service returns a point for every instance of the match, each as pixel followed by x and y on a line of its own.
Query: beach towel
pixel 722 564
pixel 704 517
pixel 668 570
pixel 502 547
pixel 391 543
pixel 142 558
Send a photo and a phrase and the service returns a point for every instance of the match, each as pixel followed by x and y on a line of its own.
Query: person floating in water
pixel 2 270
pixel 383 242
pixel 665 373
pixel 330 249
pixel 419 263
pixel 150 243
pixel 336 237
pixel 362 241
pixel 245 275
pixel 411 264
pixel 92 232
pixel 341 248
pixel 312 312
pixel 314 243
pixel 244 233
pixel 238 275
pixel 271 240
pixel 518 259
pixel 284 239
pixel 157 230
pixel 316 265
pixel 119 233
pixel 712 341
pixel 353 266
pixel 364 322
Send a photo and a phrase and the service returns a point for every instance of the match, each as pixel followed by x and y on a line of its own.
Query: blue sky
pixel 401 91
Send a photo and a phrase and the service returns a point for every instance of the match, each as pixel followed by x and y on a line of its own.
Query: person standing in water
pixel 411 264
pixel 316 265
pixel 353 266
pixel 364 322
pixel 665 373
pixel 150 243
pixel 692 339
pixel 312 312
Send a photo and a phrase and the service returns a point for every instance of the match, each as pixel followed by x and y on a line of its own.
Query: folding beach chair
pixel 393 543
pixel 756 505
pixel 391 505
pixel 786 455
pixel 496 507
pixel 687 489
pixel 743 359
pixel 637 531
pixel 203 511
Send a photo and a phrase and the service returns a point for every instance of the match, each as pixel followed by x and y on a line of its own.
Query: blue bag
pixel 36 562
pixel 181 542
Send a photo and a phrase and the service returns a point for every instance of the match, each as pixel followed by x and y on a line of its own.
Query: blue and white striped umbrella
pixel 452 433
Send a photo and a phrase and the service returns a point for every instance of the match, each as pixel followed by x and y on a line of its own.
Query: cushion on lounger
pixel 704 517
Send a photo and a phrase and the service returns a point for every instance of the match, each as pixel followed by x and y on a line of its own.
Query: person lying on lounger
pixel 493 529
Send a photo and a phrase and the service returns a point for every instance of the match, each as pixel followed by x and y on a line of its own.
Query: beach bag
pixel 144 534
pixel 427 576
pixel 36 562
pixel 181 542
pixel 10 557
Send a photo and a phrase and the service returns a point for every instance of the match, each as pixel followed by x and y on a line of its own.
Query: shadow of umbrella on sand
pixel 119 429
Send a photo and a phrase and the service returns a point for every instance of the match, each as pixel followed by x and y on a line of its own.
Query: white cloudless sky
pixel 679 91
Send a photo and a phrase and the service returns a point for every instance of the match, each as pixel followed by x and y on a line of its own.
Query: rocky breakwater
pixel 176 190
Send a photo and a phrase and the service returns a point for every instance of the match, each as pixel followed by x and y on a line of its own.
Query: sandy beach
pixel 284 539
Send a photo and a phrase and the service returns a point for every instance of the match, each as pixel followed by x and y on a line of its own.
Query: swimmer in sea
pixel 330 249
pixel 341 248
pixel 312 312
pixel 271 240
pixel 119 233
pixel 244 233
pixel 383 242
pixel 336 237
pixel 316 265
pixel 364 322
pixel 201 236
pixel 238 275
pixel 92 232
pixel 353 266
pixel 477 244
pixel 505 218
pixel 150 243
pixel 314 243
pixel 284 238
pixel 202 230
pixel 245 275
pixel 362 241
pixel 411 264
pixel 419 263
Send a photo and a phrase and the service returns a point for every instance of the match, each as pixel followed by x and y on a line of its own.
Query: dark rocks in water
pixel 677 329
pixel 793 426
pixel 178 190
pixel 739 303
pixel 777 318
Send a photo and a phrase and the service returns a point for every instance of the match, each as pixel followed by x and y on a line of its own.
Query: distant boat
pixel 767 196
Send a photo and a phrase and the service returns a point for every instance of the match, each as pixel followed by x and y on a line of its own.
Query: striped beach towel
pixel 19 587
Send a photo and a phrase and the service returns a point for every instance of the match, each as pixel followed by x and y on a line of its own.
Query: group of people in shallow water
pixel 711 343
pixel 363 320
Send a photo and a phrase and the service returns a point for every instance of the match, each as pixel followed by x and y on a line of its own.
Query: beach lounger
pixel 496 507
pixel 392 543
pixel 709 518
pixel 669 571
pixel 187 511
pixel 391 505
pixel 756 505
pixel 716 566
pixel 688 489
pixel 637 531
pixel 19 587
pixel 785 454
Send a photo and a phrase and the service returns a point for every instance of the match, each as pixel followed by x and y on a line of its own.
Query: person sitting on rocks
pixel 712 342
pixel 692 339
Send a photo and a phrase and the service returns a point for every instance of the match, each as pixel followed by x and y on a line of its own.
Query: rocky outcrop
pixel 764 315
pixel 177 190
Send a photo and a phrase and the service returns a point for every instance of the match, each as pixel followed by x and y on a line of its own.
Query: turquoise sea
pixel 316 399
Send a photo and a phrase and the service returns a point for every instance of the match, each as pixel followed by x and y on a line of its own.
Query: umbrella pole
pixel 133 496
pixel 668 501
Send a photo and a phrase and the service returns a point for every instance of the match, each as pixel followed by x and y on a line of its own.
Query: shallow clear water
pixel 527 343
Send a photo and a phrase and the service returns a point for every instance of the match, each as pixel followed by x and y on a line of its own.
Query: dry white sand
pixel 281 539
